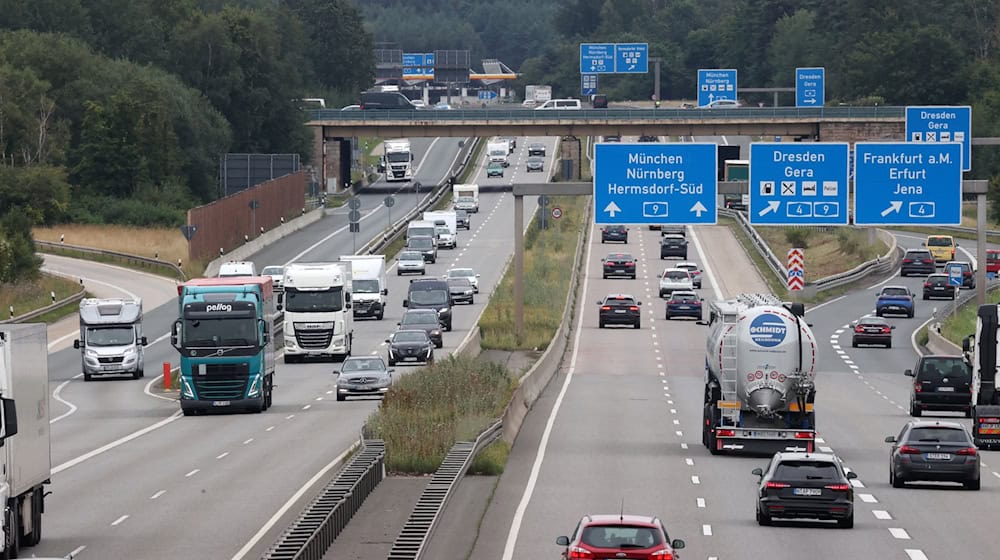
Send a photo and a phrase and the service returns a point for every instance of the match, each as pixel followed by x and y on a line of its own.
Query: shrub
pixel 798 237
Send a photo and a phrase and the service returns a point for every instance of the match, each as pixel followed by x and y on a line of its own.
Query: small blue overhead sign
pixel 655 183
pixel 798 183
pixel 597 58
pixel 908 183
pixel 588 84
pixel 810 87
pixel 418 64
pixel 716 84
pixel 631 58
pixel 942 124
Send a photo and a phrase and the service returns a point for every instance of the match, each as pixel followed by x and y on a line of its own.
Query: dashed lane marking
pixel 881 514
pixel 915 554
pixel 695 479
pixel 899 533
pixel 158 494
pixel 119 520
pixel 700 502
pixel 222 456
pixel 868 498
pixel 706 530
pixel 192 473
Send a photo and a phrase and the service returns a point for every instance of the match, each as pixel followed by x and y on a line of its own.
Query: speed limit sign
pixel 556 212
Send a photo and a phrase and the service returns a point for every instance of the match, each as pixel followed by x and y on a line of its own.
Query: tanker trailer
pixel 759 377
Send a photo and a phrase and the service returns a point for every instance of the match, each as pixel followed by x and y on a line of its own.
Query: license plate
pixel 761 433
pixel 620 270
pixel 619 311
pixel 946 389
pixel 938 456
pixel 807 492
pixel 110 368
pixel 221 403
pixel 683 307
pixel 410 359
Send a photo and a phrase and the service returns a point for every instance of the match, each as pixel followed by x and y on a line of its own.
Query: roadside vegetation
pixel 165 244
pixel 424 413
pixel 963 323
pixel 28 295
pixel 548 266
pixel 827 250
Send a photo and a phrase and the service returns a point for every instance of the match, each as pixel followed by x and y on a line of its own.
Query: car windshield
pixel 688 267
pixel 871 322
pixel 945 367
pixel 933 434
pixel 110 336
pixel 672 241
pixel 216 333
pixel 398 157
pixel 620 257
pixel 937 279
pixel 410 336
pixel 619 301
pixel 429 297
pixel 675 275
pixel 442 230
pixel 365 286
pixel 620 536
pixel 272 271
pixel 419 319
pixel 806 470
pixel 319 301
pixel 895 292
pixel 420 243
pixel 459 282
pixel 363 364
pixel 920 255
pixel 939 242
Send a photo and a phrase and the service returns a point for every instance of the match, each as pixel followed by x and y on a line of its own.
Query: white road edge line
pixel 913 335
pixel 55 395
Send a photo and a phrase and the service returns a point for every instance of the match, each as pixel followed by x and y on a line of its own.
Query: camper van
pixel 111 337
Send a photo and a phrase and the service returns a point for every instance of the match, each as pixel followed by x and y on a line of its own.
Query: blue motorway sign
pixel 655 183
pixel 798 183
pixel 955 275
pixel 588 84
pixel 631 58
pixel 942 124
pixel 810 87
pixel 487 94
pixel 716 84
pixel 429 60
pixel 597 58
pixel 907 183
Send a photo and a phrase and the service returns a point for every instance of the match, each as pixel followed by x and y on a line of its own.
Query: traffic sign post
pixel 655 183
pixel 716 84
pixel 588 84
pixel 907 183
pixel 955 275
pixel 796 269
pixel 810 87
pixel 942 124
pixel 631 58
pixel 597 58
pixel 556 212
pixel 798 183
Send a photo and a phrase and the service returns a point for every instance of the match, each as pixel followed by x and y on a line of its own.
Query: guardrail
pixel 419 527
pixel 115 254
pixel 311 535
pixel 51 307
pixel 776 266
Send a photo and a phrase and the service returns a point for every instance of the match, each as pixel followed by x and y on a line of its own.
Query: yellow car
pixel 942 247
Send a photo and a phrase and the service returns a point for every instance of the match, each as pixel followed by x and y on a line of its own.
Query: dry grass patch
pixel 168 243
pixel 27 296
pixel 827 250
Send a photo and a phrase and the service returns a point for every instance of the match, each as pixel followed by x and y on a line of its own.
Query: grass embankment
pixel 29 295
pixel 963 323
pixel 165 244
pixel 827 252
pixel 548 267
pixel 426 412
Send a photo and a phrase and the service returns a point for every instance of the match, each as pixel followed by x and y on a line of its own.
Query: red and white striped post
pixel 796 269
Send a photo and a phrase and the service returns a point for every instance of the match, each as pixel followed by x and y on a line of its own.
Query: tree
pixel 17 242
pixel 339 48
pixel 796 43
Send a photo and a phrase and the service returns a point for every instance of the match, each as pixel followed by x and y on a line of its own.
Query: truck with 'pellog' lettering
pixel 760 369
pixel 225 339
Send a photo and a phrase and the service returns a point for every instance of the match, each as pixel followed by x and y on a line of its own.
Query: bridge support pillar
pixel 570 151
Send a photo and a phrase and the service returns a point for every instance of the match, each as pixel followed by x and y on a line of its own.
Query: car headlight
pixel 435 332
pixel 91 353
pixel 443 310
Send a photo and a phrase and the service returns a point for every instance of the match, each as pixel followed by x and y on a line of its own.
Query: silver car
pixel 695 272
pixel 410 262
pixel 464 273
pixel 674 279
pixel 535 163
pixel 363 376
pixel 276 273
pixel 446 239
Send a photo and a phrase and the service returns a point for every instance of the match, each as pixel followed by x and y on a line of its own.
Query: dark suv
pixel 462 220
pixel 619 264
pixel 917 261
pixel 430 293
pixel 619 309
pixel 426 320
pixel 940 383
pixel 805 486
pixel 938 285
pixel 425 245
pixel 386 100
pixel 934 451
pixel 614 233
pixel 673 245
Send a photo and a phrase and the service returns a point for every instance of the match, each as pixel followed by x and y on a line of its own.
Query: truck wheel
pixel 37 501
pixel 87 377
pixel 847 522
pixel 137 374
pixel 12 536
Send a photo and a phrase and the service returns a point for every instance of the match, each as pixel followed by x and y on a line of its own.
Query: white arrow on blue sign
pixel 651 183
pixel 597 58
pixel 631 58
pixel 716 84
pixel 942 124
pixel 798 183
pixel 810 87
pixel 955 275
pixel 588 84
pixel 907 183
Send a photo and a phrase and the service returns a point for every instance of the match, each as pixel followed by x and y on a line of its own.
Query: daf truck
pixel 398 159
pixel 981 351
pixel 369 285
pixel 465 197
pixel 317 304
pixel 225 339
pixel 759 377
pixel 111 337
pixel 24 434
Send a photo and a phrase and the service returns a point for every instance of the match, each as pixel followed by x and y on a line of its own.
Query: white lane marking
pixel 820 440
pixel 673 411
pixel 707 267
pixel 522 506
pixel 881 514
pixel 149 386
pixel 307 407
pixel 815 307
pixel 248 441
pixel 689 461
pixel 825 449
pixel 269 428
pixel 700 502
pixel 222 456
pixel 119 520
pixel 899 533
pixel 838 331
pixel 915 554
pixel 158 494
pixel 868 498
pixel 996 474
pixel 679 433
pixel 857 483
pixel 107 447
pixel 55 395
pixel 684 446
pixel 677 422
pixel 695 479
pixel 886 281
pixel 706 530
pixel 913 335
pixel 192 473
pixel 289 417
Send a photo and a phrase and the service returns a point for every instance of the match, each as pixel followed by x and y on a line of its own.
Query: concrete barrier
pixel 244 251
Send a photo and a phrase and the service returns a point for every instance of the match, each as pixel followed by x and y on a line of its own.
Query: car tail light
pixel 633 308
pixel 968 451
pixel 630 264
pixel 989 420
pixel 605 308
pixel 859 328
pixel 907 261
pixel 772 484
pixel 838 487
pixel 662 554
pixel 966 273
pixel 886 330
pixel 918 387
pixel 803 435
pixel 907 450
pixel 725 433
pixel 928 261
pixel 927 284
pixel 577 552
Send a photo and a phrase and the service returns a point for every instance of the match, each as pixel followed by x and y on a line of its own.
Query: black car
pixel 968 274
pixel 410 345
pixel 647 138
pixel 805 486
pixel 363 376
pixel 426 320
pixel 599 101
pixel 433 294
pixel 619 264
pixel 614 233
pixel 673 245
pixel 425 245
pixel 917 261
pixel 461 289
pixel 933 451
pixel 536 149
pixel 939 286
pixel 462 220
pixel 684 304
pixel 392 100
pixel 872 330
pixel 613 138
pixel 619 309
pixel 940 383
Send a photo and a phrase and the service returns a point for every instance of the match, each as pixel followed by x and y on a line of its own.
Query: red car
pixel 993 261
pixel 636 537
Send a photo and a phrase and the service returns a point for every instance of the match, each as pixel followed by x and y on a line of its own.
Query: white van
pixel 237 268
pixel 559 104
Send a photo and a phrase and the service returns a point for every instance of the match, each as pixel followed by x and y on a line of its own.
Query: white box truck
pixel 466 197
pixel 316 302
pixel 24 434
pixel 449 216
pixel 497 151
pixel 398 159
pixel 369 286
pixel 111 337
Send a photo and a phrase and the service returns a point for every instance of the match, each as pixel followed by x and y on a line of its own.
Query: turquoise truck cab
pixel 224 336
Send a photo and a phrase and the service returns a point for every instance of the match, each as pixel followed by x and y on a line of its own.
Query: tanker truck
pixel 759 377
pixel 981 352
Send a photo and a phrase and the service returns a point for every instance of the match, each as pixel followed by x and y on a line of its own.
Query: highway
pixel 159 495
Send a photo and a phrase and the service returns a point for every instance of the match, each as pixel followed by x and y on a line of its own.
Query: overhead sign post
pixel 942 124
pixel 907 183
pixel 810 87
pixel 716 84
pixel 631 58
pixel 798 183
pixel 655 183
pixel 796 265
pixel 597 58
pixel 588 84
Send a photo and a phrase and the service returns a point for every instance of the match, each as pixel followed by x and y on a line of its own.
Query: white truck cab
pixel 317 303
pixel 237 268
